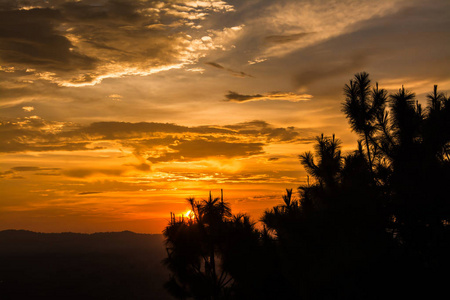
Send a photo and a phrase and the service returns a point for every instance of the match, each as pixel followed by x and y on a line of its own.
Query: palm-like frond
pixel 405 115
pixel 362 106
pixel 307 160
pixel 379 99
pixel 329 160
pixel 435 100
pixel 288 197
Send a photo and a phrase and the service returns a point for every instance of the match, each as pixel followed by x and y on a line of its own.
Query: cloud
pixel 6 174
pixel 273 134
pixel 399 45
pixel 293 97
pixel 40 171
pixel 28 108
pixel 35 134
pixel 141 167
pixel 88 193
pixel 47 174
pixel 233 72
pixel 216 65
pixel 25 169
pixel 32 169
pixel 30 39
pixel 124 130
pixel 235 97
pixel 200 149
pixel 115 97
pixel 284 27
pixel 83 173
pixel 283 39
pixel 79 43
pixel 153 142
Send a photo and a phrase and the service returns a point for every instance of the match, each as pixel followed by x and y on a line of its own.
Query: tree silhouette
pixel 213 254
pixel 328 237
pixel 330 161
pixel 386 205
pixel 362 106
pixel 371 224
pixel 410 147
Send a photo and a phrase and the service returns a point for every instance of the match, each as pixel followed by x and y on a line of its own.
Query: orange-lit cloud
pixel 81 43
pixel 157 141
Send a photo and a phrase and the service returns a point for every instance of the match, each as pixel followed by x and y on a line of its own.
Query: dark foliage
pixel 372 224
pixel 213 254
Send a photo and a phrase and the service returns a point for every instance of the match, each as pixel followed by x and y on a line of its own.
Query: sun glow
pixel 189 214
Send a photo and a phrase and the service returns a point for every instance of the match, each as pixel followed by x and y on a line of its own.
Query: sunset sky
pixel 112 112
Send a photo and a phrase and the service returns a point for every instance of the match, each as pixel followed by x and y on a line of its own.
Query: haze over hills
pixel 113 265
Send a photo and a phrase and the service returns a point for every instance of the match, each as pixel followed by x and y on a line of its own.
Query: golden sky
pixel 112 112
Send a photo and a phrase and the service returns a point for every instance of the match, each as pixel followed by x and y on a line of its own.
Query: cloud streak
pixel 231 71
pixel 279 96
pixel 154 142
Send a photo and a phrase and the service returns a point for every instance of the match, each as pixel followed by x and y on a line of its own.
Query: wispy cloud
pixel 283 39
pixel 85 172
pixel 280 96
pixel 88 193
pixel 232 72
pixel 287 26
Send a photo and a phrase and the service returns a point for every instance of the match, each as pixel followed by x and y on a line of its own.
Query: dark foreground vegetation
pixel 371 224
pixel 119 265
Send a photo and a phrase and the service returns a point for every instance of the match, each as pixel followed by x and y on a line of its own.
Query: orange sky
pixel 113 112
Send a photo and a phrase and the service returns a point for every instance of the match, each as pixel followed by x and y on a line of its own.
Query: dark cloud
pixel 6 173
pixel 215 65
pixel 25 146
pixel 233 72
pixel 33 169
pixel 255 124
pixel 88 193
pixel 29 39
pixel 119 130
pixel 240 98
pixel 282 39
pixel 47 174
pixel 156 142
pixel 83 173
pixel 25 169
pixel 274 134
pixel 192 150
pixel 36 134
pixel 82 42
pixel 11 173
pixel 236 97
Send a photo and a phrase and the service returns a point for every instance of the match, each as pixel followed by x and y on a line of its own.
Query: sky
pixel 113 112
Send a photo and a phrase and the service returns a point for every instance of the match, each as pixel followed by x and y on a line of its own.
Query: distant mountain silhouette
pixel 111 265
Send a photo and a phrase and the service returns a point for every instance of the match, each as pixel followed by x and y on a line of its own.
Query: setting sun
pixel 189 214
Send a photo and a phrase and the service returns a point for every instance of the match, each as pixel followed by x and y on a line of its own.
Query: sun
pixel 189 214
